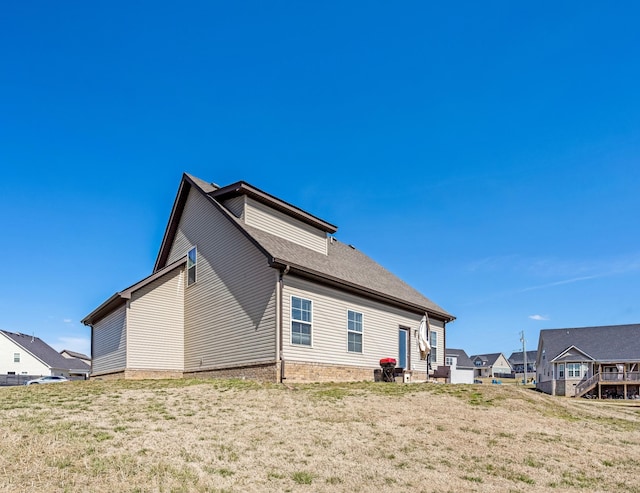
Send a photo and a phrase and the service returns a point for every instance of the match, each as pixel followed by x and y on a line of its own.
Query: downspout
pixel 280 343
pixel 92 353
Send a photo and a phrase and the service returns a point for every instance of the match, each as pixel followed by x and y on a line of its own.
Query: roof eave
pixel 357 289
pixel 121 296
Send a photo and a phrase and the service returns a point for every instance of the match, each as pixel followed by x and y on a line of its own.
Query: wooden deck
pixel 609 384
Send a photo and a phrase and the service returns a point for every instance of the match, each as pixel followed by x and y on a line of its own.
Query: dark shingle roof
pixel 343 265
pixel 607 343
pixel 75 354
pixel 463 361
pixel 517 357
pixel 45 353
pixel 487 359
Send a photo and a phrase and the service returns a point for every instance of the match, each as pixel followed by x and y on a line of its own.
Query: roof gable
pixel 572 354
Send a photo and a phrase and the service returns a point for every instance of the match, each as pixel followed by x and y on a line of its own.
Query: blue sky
pixel 485 152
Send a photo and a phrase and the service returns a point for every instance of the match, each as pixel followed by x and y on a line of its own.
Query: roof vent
pixel 351 246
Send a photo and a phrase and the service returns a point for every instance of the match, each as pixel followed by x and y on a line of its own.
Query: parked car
pixel 49 379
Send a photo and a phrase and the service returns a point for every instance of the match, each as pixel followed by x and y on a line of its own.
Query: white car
pixel 51 379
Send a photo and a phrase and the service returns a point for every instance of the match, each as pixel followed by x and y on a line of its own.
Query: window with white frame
pixel 433 341
pixel 300 321
pixel 448 361
pixel 354 332
pixel 16 357
pixel 573 370
pixel 561 370
pixel 192 260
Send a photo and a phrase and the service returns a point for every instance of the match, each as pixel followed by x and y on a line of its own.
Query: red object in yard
pixel 388 368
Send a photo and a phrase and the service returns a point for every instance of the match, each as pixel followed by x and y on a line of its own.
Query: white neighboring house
pixel 461 368
pixel 25 356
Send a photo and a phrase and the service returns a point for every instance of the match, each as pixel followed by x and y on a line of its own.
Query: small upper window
pixel 192 260
pixel 16 357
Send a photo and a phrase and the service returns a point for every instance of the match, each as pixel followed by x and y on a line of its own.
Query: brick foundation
pixel 294 372
pixel 107 376
pixel 317 372
pixel 269 372
pixel 138 375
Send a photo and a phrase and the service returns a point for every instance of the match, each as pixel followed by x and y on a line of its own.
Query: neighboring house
pixel 461 367
pixel 491 365
pixel 516 360
pixel 74 355
pixel 247 285
pixel 599 361
pixel 23 356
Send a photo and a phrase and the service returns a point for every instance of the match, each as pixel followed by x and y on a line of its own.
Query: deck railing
pixel 607 377
pixel 582 387
pixel 630 376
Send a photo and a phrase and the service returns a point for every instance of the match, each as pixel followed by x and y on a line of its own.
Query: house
pixel 461 367
pixel 247 285
pixel 73 354
pixel 23 357
pixel 596 361
pixel 517 359
pixel 491 365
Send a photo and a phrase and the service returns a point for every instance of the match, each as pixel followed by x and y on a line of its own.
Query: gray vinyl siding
pixel 156 324
pixel 235 205
pixel 230 314
pixel 275 222
pixel 329 328
pixel 109 342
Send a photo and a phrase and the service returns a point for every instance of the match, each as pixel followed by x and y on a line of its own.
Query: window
pixel 300 321
pixel 354 332
pixel 448 361
pixel 192 260
pixel 573 370
pixel 16 357
pixel 561 370
pixel 434 346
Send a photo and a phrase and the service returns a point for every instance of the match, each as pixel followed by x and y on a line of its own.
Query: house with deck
pixel 519 359
pixel 247 285
pixel 601 362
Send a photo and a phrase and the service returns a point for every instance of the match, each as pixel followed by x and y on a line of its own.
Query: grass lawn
pixel 231 435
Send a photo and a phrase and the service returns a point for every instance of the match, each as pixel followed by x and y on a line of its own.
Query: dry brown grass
pixel 215 436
